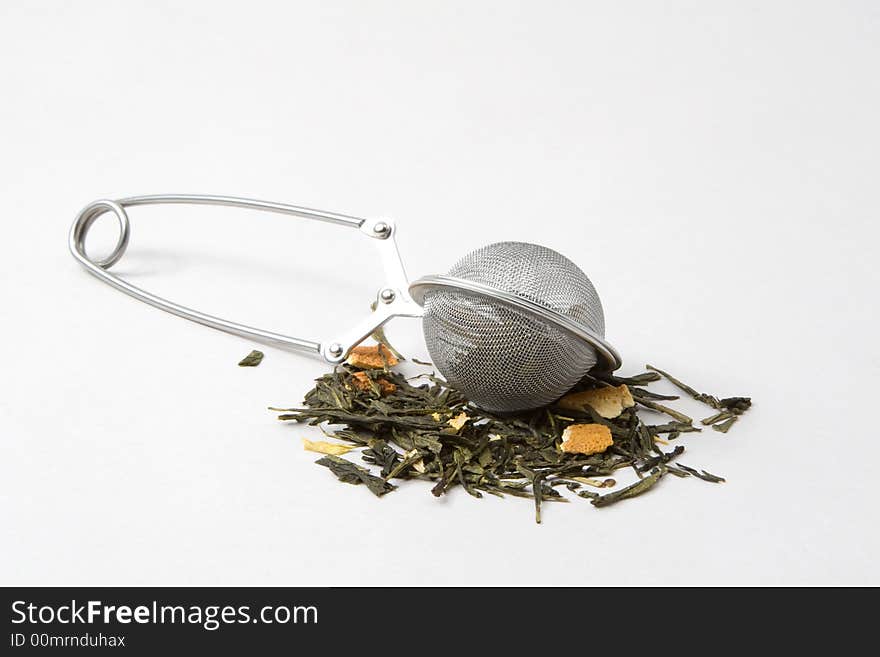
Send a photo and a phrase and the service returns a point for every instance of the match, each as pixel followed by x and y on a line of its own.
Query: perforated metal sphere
pixel 508 343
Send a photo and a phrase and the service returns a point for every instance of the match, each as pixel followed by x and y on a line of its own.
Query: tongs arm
pixel 392 299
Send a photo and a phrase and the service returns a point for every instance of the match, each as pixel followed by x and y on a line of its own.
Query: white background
pixel 712 167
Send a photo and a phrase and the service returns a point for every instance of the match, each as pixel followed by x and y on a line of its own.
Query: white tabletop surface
pixel 712 167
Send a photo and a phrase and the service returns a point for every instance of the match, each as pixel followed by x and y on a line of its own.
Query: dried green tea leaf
pixel 630 491
pixel 660 408
pixel 723 415
pixel 737 405
pixel 407 433
pixel 252 359
pixel 638 380
pixel 699 396
pixel 674 427
pixel 538 492
pixel 705 476
pixel 661 458
pixel 381 453
pixel 730 405
pixel 642 393
pixel 348 472
pixel 724 427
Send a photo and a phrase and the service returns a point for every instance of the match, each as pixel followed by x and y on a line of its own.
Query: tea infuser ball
pixel 513 325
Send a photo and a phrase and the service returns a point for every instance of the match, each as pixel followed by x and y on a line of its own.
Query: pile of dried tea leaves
pixel 420 428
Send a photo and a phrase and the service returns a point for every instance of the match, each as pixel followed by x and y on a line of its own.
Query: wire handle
pixel 392 299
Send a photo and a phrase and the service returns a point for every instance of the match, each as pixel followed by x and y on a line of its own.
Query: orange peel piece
pixel 586 439
pixel 608 402
pixel 373 357
pixel 362 381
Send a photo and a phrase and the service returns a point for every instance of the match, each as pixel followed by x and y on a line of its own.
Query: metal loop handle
pixel 84 222
pixel 392 299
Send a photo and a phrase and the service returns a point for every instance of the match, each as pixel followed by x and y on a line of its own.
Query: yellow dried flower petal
pixel 418 466
pixel 322 447
pixel 458 421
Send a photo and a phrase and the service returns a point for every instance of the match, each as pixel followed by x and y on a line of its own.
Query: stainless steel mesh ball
pixel 513 325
